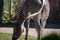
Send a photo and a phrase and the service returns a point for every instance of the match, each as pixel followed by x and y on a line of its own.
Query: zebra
pixel 30 9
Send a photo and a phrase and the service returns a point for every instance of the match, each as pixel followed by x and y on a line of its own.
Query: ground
pixel 32 31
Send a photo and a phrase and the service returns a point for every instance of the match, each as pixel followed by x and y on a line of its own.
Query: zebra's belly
pixel 32 6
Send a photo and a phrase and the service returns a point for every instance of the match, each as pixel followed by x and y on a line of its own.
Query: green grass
pixel 5 36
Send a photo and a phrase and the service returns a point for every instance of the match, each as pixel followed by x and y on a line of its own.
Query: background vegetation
pixel 8 10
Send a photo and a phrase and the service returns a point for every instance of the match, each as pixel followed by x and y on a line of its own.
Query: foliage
pixel 6 10
pixel 52 37
pixel 9 9
pixel 6 15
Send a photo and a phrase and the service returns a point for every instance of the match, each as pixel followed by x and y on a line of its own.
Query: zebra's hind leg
pixel 37 28
pixel 42 28
pixel 45 15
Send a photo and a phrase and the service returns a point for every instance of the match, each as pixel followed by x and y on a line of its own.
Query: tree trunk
pixel 1 10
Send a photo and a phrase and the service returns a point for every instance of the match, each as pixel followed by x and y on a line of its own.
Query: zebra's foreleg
pixel 16 32
pixel 17 29
pixel 26 24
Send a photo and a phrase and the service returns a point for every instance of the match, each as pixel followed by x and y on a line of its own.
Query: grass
pixel 5 36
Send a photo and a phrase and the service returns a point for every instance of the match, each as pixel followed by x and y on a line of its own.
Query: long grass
pixel 5 36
